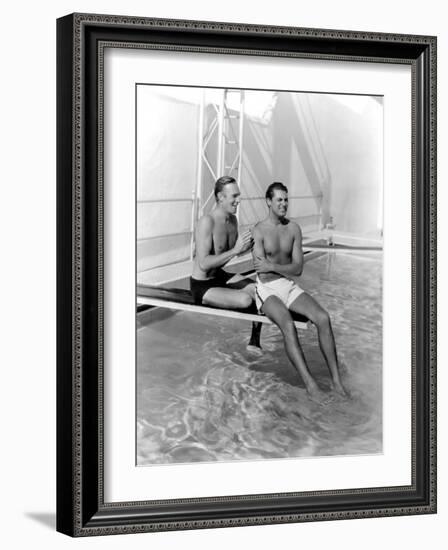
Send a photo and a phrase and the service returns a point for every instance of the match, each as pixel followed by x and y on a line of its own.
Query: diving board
pixel 182 300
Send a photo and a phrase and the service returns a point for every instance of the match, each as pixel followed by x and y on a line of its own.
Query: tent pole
pixel 221 129
pixel 240 146
pixel 196 205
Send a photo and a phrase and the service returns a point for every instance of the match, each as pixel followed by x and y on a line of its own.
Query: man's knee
pixel 245 300
pixel 287 326
pixel 322 318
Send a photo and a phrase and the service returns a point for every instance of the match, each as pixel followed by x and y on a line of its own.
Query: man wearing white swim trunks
pixel 278 259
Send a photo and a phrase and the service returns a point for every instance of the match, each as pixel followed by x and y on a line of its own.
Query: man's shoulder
pixel 206 221
pixel 294 227
pixel 259 227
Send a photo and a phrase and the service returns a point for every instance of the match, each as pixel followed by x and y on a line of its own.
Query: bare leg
pixel 306 305
pixel 227 298
pixel 255 335
pixel 254 344
pixel 235 298
pixel 249 286
pixel 279 314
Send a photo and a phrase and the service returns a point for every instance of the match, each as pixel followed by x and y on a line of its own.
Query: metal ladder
pixel 228 127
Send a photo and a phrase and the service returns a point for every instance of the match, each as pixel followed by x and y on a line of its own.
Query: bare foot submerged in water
pixel 339 389
pixel 317 395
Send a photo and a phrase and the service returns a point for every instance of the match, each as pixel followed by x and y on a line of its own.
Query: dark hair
pixel 276 185
pixel 221 183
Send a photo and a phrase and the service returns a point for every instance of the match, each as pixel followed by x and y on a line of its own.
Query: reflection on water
pixel 201 396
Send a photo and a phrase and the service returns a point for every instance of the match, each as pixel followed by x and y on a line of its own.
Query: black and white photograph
pixel 164 162
pixel 259 274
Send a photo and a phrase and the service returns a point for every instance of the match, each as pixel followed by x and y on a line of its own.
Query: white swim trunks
pixel 283 288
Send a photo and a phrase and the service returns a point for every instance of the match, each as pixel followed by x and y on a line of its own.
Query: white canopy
pixel 326 148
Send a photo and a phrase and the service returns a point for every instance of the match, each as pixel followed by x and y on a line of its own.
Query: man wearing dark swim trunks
pixel 217 242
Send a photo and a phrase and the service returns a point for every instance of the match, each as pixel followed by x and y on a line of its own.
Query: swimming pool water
pixel 201 396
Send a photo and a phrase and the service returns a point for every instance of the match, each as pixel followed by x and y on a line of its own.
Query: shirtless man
pixel 217 242
pixel 278 259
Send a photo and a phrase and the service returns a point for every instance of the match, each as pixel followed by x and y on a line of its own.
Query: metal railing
pixel 166 199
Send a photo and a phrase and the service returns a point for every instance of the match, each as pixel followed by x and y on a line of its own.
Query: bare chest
pixel 224 237
pixel 278 241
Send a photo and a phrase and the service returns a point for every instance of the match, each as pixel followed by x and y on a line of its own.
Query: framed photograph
pixel 246 274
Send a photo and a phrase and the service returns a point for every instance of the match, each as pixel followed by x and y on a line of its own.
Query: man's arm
pixel 295 268
pixel 204 242
pixel 258 253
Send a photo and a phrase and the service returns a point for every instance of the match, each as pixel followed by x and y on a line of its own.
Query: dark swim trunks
pixel 199 288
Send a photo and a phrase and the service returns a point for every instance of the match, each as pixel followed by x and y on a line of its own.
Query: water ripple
pixel 202 397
